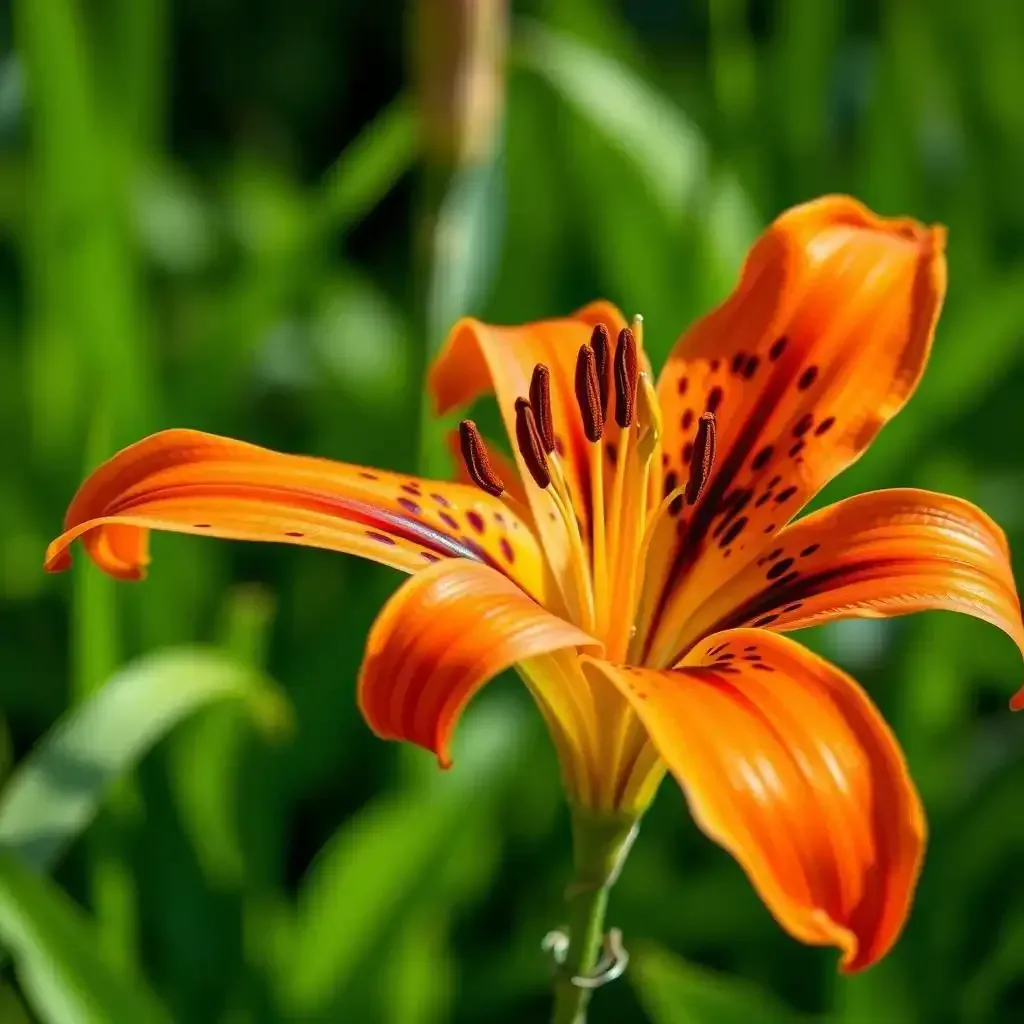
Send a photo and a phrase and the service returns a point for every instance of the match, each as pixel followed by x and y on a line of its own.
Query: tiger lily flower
pixel 639 563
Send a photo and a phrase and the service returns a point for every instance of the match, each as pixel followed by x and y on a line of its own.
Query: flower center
pixel 608 500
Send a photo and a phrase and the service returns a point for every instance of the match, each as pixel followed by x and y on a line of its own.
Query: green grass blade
pixel 56 790
pixel 55 953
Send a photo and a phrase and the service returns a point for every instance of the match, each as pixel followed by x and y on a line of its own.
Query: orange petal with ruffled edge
pixel 821 343
pixel 875 555
pixel 445 633
pixel 187 481
pixel 787 764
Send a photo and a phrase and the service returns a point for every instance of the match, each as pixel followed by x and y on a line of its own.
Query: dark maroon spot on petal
pixel 738 360
pixel 499 518
pixel 410 506
pixel 368 476
pixel 825 426
pixel 794 606
pixel 763 500
pixel 719 648
pixel 770 528
pixel 778 347
pixel 665 460
pixel 687 452
pixel 429 556
pixel 506 550
pixel 715 365
pixel 202 526
pixel 775 481
pixel 727 656
pixel 762 667
pixel 807 378
pixel 412 488
pixel 728 553
pixel 687 421
pixel 441 500
pixel 809 550
pixel 671 482
pixel 797 448
pixel 714 399
pixel 772 555
pixel 683 385
pixel 476 520
pixel 752 657
pixel 552 516
pixel 762 457
pixel 450 521
pixel 383 538
pixel 765 620
pixel 750 367
pixel 779 568
pixel 803 425
pixel 675 506
pixel 734 531
pixel 752 647
pixel 784 581
pixel 294 533
pixel 610 449
pixel 785 495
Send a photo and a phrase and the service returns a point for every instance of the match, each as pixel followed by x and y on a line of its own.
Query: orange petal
pixel 443 635
pixel 479 359
pixel 821 343
pixel 875 555
pixel 787 764
pixel 190 482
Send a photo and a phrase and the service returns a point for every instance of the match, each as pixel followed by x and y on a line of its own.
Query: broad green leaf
pixel 55 791
pixel 675 992
pixel 372 872
pixel 55 954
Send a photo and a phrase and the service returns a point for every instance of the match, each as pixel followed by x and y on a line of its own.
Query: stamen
pixel 703 457
pixel 648 417
pixel 601 344
pixel 530 446
pixel 540 401
pixel 625 378
pixel 478 462
pixel 588 393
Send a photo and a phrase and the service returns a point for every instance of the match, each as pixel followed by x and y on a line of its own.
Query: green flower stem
pixel 600 846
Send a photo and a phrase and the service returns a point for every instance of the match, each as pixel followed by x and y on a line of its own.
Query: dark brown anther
pixel 588 393
pixel 540 401
pixel 601 344
pixel 625 378
pixel 530 446
pixel 478 462
pixel 703 457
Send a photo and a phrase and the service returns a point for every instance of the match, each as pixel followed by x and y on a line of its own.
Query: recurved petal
pixel 786 763
pixel 875 555
pixel 821 343
pixel 190 482
pixel 443 635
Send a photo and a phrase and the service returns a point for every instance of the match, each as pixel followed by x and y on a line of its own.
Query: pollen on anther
pixel 529 444
pixel 478 462
pixel 540 401
pixel 601 344
pixel 588 394
pixel 703 457
pixel 625 371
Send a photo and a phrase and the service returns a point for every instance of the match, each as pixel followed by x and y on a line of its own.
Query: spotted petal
pixel 822 342
pixel 786 763
pixel 875 555
pixel 190 482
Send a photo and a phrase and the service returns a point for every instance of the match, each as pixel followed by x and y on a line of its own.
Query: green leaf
pixel 55 953
pixel 56 790
pixel 675 992
pixel 377 868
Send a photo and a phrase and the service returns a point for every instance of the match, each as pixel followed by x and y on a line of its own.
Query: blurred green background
pixel 228 214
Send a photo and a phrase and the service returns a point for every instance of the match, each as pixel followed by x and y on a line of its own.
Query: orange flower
pixel 636 567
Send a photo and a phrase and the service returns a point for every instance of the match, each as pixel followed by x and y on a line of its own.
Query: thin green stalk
pixel 600 846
